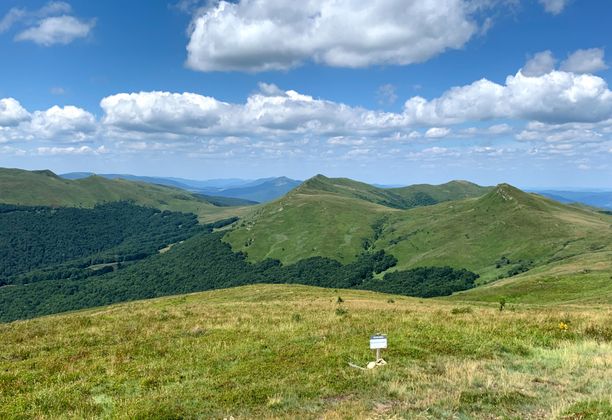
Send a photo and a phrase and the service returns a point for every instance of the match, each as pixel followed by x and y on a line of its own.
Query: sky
pixel 385 91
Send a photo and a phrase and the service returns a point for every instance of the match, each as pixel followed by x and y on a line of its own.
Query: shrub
pixel 463 310
pixel 341 311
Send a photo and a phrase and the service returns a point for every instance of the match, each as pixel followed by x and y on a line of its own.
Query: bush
pixel 462 310
pixel 341 311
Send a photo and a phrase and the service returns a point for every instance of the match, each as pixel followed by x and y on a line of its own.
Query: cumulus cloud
pixel 67 123
pixel 540 64
pixel 260 35
pixel 554 6
pixel 559 108
pixel 585 61
pixel 553 97
pixel 12 113
pixel 162 111
pixel 57 30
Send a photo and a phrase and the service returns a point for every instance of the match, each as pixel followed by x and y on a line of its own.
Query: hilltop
pixel 44 188
pixel 400 198
pixel 269 351
pixel 497 230
pixel 333 217
pixel 503 230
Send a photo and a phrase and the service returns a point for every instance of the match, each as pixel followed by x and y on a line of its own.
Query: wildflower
pixel 563 326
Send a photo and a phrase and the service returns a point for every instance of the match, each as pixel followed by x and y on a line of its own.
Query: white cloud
pixel 67 123
pixel 556 97
pixel 585 61
pixel 553 97
pixel 162 111
pixel 12 113
pixel 260 35
pixel 540 64
pixel 57 30
pixel 18 15
pixel 437 132
pixel 554 6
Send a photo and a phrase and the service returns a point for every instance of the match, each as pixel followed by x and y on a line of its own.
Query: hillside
pixel 44 188
pixel 332 217
pixel 501 234
pixel 504 230
pixel 339 218
pixel 270 351
pixel 582 279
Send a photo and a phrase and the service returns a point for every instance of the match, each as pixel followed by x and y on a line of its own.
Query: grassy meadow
pixel 283 351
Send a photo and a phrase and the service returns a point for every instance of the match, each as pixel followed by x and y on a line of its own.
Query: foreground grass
pixel 283 351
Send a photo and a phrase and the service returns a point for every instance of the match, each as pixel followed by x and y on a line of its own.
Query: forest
pixel 204 262
pixel 44 243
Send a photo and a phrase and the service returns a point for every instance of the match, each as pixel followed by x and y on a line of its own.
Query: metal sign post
pixel 378 342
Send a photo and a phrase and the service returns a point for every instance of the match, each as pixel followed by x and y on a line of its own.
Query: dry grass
pixel 283 351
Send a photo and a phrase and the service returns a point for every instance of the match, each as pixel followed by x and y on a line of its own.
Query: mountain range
pixel 333 232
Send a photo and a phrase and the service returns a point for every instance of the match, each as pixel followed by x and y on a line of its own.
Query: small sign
pixel 378 342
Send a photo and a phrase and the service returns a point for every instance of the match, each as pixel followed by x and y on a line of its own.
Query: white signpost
pixel 378 342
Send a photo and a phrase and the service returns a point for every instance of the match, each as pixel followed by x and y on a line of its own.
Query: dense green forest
pixel 204 262
pixel 38 243
pixel 424 281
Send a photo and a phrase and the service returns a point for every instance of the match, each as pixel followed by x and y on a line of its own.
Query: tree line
pixel 205 262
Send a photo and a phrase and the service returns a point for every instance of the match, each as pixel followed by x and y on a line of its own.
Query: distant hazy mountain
pixel 258 190
pixel 261 190
pixel 601 199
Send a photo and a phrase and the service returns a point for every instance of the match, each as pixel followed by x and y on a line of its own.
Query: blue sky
pixel 486 90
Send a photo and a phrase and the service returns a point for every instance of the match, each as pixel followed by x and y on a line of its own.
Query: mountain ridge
pixel 45 188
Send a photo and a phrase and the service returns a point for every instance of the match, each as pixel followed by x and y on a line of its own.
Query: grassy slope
pixel 283 351
pixel 306 224
pixel 326 217
pixel 330 217
pixel 581 279
pixel 45 188
pixel 475 233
